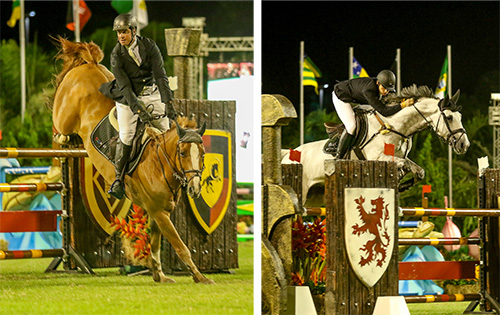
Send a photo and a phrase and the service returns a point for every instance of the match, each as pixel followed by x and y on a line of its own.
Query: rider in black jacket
pixel 140 79
pixel 362 91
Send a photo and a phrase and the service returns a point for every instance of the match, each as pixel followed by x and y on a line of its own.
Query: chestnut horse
pixel 171 160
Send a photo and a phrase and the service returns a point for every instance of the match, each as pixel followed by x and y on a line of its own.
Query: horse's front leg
pixel 408 166
pixel 168 230
pixel 158 275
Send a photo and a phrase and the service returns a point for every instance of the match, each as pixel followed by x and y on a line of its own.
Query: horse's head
pixel 448 124
pixel 190 155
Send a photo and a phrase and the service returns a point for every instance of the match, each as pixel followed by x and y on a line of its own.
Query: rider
pixel 140 79
pixel 362 91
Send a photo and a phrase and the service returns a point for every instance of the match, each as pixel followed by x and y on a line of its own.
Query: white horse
pixel 442 116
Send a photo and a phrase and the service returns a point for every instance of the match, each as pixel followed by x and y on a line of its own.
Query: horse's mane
pixel 74 54
pixel 184 122
pixel 412 91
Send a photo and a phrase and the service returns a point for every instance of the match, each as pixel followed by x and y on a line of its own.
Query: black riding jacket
pixel 364 91
pixel 130 79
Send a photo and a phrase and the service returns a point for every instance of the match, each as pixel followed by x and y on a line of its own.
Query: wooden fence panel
pixel 345 293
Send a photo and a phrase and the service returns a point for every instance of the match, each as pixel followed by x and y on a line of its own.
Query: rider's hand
pixel 406 103
pixel 171 113
pixel 144 116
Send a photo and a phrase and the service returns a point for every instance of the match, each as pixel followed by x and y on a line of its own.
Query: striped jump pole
pixel 440 241
pixel 443 298
pixel 42 153
pixel 34 253
pixel 32 187
pixel 448 212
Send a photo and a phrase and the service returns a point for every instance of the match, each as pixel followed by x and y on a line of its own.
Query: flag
pixel 83 12
pixel 295 155
pixel 16 13
pixel 426 189
pixel 357 70
pixel 141 13
pixel 310 72
pixel 443 78
pixel 389 149
pixel 122 6
pixel 135 7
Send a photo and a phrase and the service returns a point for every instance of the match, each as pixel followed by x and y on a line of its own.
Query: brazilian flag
pixel 443 78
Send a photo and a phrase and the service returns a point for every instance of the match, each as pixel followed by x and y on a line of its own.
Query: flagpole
pixel 398 69
pixel 351 57
pixel 135 12
pixel 301 63
pixel 76 19
pixel 22 44
pixel 450 152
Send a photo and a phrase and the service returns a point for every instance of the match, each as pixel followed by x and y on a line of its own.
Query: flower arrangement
pixel 135 234
pixel 308 252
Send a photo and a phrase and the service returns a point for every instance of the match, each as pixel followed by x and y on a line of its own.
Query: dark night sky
pixel 422 30
pixel 51 17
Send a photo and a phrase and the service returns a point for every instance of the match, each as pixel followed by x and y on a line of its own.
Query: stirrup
pixel 117 189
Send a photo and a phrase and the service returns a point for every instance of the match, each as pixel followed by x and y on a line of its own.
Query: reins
pixel 385 128
pixel 181 175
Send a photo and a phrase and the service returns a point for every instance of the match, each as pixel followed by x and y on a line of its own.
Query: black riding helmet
pixel 125 21
pixel 388 79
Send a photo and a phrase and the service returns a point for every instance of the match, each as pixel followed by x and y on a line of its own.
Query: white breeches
pixel 127 120
pixel 345 113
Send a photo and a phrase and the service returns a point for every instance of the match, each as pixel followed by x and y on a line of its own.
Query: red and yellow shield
pixel 216 181
pixel 100 206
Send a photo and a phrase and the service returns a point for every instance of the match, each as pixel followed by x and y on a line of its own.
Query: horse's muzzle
pixel 460 145
pixel 194 187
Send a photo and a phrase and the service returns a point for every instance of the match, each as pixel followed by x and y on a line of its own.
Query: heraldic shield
pixel 369 231
pixel 100 206
pixel 216 181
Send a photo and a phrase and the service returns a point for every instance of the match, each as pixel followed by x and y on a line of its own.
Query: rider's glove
pixel 171 113
pixel 140 109
pixel 406 103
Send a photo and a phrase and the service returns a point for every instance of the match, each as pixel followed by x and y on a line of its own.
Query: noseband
pixel 180 176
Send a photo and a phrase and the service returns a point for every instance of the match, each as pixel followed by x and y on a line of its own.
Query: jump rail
pixel 41 153
pixel 31 187
pixel 42 221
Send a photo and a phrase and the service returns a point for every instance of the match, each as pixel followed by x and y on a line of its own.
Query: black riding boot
pixel 117 189
pixel 345 143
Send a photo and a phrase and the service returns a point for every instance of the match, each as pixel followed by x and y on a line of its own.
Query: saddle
pixel 105 136
pixel 334 132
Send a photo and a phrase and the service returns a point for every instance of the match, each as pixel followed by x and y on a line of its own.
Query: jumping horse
pixel 442 116
pixel 171 160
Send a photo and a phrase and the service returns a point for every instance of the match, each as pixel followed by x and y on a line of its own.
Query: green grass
pixel 442 308
pixel 26 289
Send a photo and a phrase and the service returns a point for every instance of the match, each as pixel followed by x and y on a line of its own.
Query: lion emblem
pixel 374 222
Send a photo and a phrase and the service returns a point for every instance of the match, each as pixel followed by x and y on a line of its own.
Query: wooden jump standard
pixel 346 294
pixel 43 221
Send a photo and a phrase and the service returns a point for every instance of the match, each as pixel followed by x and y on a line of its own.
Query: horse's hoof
pixel 60 139
pixel 202 279
pixel 163 279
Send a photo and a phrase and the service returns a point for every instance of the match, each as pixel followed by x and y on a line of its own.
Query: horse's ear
pixel 444 102
pixel 455 97
pixel 201 131
pixel 181 132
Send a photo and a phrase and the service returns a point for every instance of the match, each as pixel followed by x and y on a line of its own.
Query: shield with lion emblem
pixel 369 231
pixel 101 207
pixel 216 181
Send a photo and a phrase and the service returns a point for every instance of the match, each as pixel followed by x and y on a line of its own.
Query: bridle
pixel 450 139
pixel 180 175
